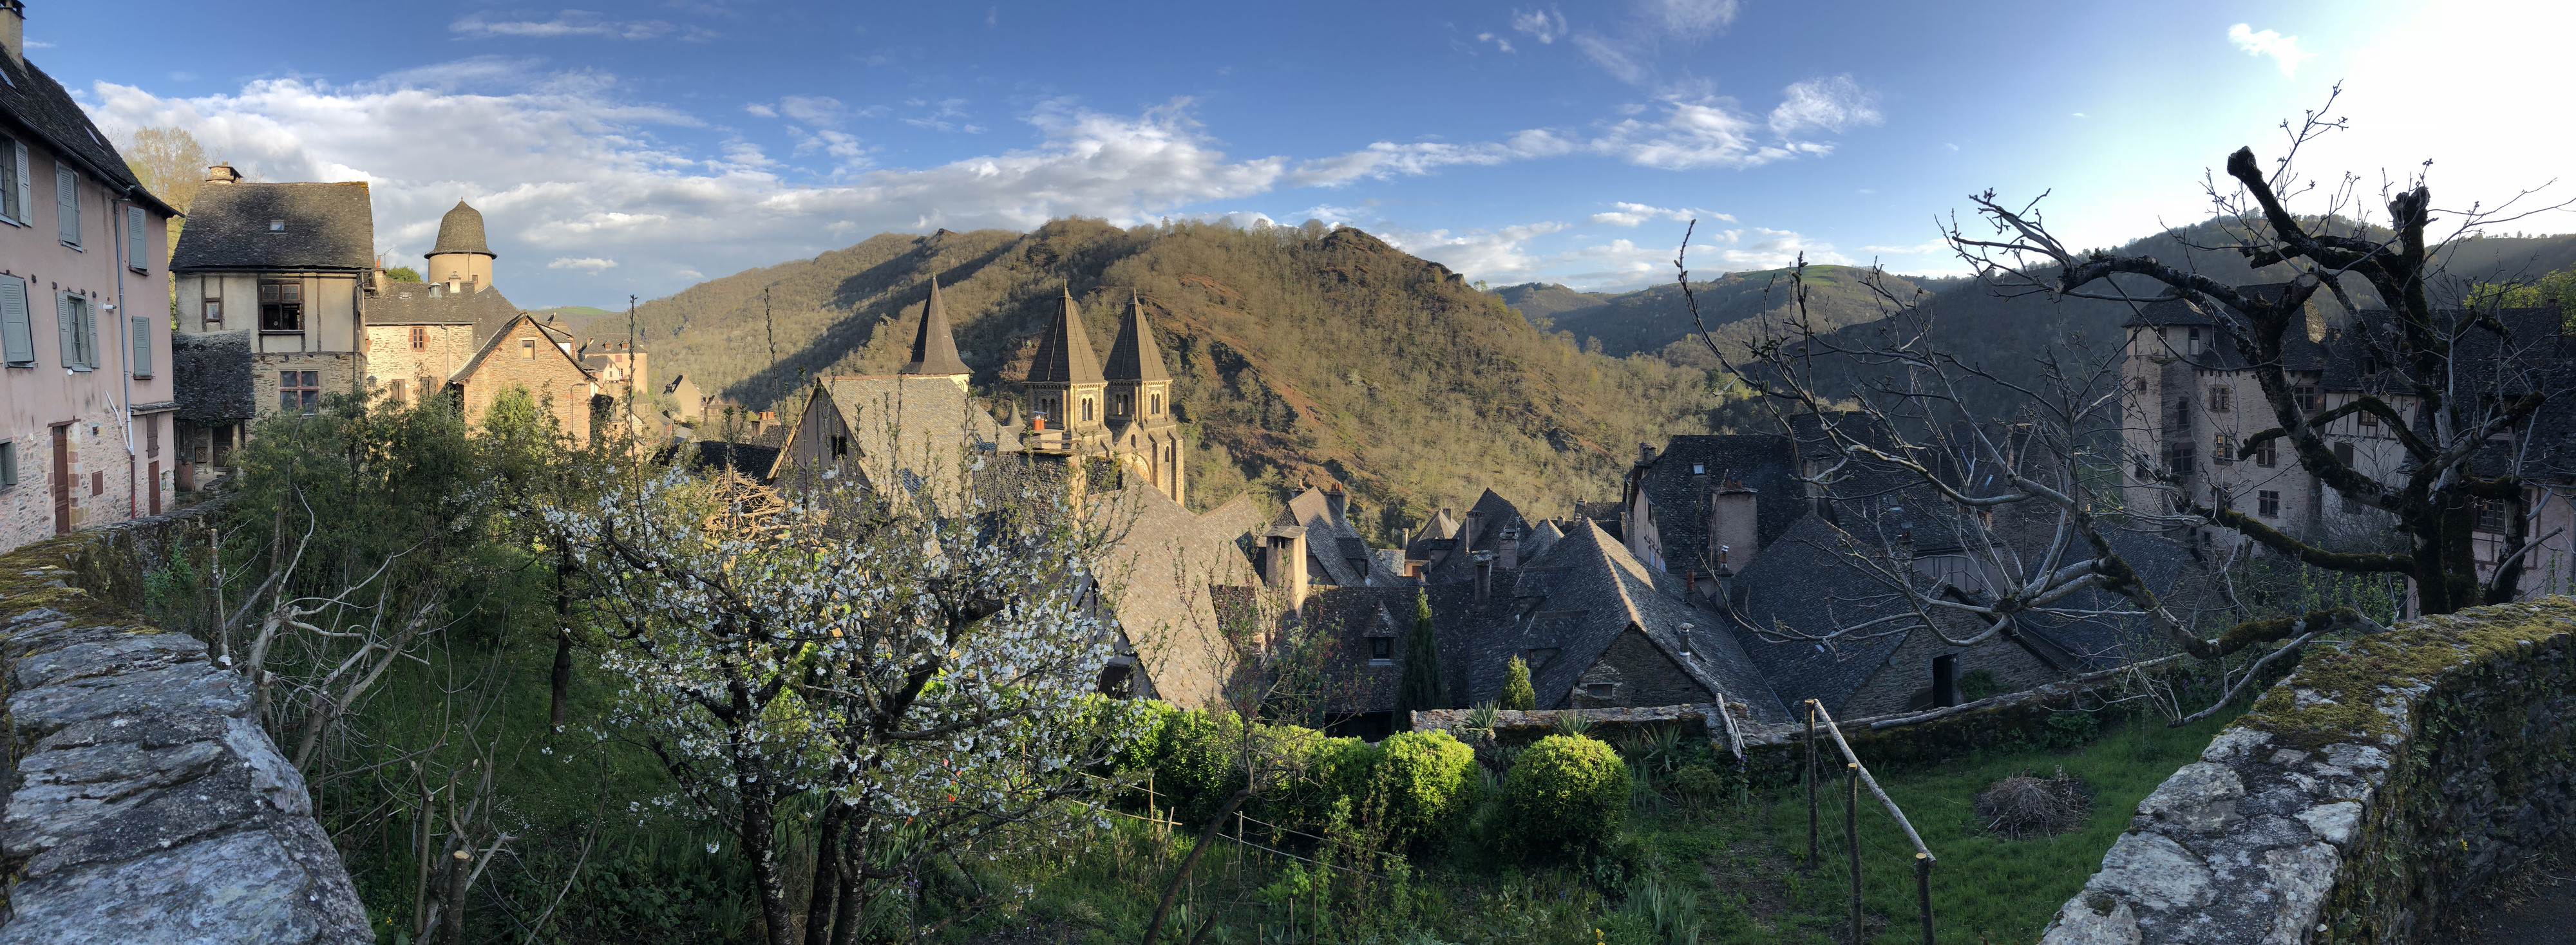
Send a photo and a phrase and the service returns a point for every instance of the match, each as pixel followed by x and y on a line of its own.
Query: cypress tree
pixel 1517 693
pixel 1420 688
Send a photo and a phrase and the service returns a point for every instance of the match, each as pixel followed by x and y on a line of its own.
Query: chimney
pixel 1510 547
pixel 1467 535
pixel 1645 454
pixel 13 30
pixel 218 174
pixel 1339 502
pixel 1733 527
pixel 1283 563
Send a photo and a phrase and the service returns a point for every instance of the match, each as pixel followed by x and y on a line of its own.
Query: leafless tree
pixel 2028 508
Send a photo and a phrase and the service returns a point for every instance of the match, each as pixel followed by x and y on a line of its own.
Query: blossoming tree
pixel 922 677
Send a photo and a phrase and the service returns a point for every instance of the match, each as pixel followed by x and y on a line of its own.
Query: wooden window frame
pixel 307 384
pixel 419 338
pixel 279 314
pixel 2267 503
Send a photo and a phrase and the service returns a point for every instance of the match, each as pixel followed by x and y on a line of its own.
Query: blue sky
pixel 640 147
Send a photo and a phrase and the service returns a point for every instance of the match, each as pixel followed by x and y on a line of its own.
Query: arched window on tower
pixel 1086 410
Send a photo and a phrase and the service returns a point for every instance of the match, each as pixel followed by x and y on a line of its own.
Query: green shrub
pixel 1424 775
pixel 1566 794
pixel 1701 784
pixel 2071 730
pixel 1977 684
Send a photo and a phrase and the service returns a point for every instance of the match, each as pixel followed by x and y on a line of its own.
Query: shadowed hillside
pixel 1649 319
pixel 1544 300
pixel 1298 354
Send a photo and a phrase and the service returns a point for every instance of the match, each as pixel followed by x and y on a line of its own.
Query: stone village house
pixel 283 301
pixel 85 406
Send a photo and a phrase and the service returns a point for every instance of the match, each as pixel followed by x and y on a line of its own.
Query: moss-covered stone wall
pixel 2363 799
pixel 146 803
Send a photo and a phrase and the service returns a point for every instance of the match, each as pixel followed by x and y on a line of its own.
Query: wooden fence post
pixel 1923 891
pixel 1811 784
pixel 1851 830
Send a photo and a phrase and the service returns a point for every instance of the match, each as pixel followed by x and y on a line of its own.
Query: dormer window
pixel 1699 469
pixel 277 226
pixel 1381 650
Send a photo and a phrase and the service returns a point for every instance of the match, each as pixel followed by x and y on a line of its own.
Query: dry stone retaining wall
pixel 146 804
pixel 2362 799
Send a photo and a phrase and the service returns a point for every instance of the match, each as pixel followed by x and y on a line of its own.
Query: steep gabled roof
pixel 1133 357
pixel 1167 581
pixel 1691 467
pixel 1805 584
pixel 915 431
pixel 1581 596
pixel 46 113
pixel 411 303
pixel 493 342
pixel 1064 350
pixel 1332 543
pixel 934 346
pixel 324 226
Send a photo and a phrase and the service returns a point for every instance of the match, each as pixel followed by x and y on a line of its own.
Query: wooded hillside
pixel 1299 355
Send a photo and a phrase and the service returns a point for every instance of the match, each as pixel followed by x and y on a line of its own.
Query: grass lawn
pixel 1984 888
pixel 1744 862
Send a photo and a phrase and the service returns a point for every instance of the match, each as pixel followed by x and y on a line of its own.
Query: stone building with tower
pixel 283 302
pixel 1123 410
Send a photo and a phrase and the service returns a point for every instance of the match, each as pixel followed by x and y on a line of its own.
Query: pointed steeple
pixel 934 347
pixel 1133 357
pixel 1064 351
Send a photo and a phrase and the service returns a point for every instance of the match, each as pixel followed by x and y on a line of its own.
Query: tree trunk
pixel 459 869
pixel 563 634
pixel 1205 834
pixel 759 844
pixel 826 900
pixel 845 925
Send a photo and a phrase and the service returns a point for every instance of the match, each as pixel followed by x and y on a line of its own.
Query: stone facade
pixel 1905 682
pixel 2363 799
pixel 334 372
pixel 524 355
pixel 397 369
pixel 150 806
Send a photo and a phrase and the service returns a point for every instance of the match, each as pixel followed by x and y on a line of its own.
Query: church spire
pixel 1064 352
pixel 934 346
pixel 1134 357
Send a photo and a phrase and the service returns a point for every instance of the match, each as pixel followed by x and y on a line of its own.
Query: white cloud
pixel 1504 44
pixel 2284 50
pixel 937 113
pixel 569 23
pixel 1610 58
pixel 1503 255
pixel 39 44
pixel 1546 26
pixel 589 264
pixel 563 168
pixel 1832 104
pixel 1387 159
pixel 813 109
pixel 1690 19
pixel 1632 214
pixel 761 110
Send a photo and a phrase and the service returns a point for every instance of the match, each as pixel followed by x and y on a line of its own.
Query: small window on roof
pixel 1698 469
pixel 277 226
pixel 1381 650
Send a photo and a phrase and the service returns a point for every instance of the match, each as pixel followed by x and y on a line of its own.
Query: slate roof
pixel 411 303
pixel 1491 516
pixel 461 231
pixel 1167 581
pixel 211 373
pixel 934 346
pixel 1807 584
pixel 47 116
pixel 913 429
pixel 490 342
pixel 1350 616
pixel 327 227
pixel 1580 597
pixel 1064 351
pixel 1765 463
pixel 1133 357
pixel 743 458
pixel 1332 545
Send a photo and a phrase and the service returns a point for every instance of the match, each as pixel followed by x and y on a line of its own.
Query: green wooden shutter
pixel 142 328
pixel 26 187
pixel 137 254
pixel 17 337
pixel 63 319
pixel 88 311
pixel 67 203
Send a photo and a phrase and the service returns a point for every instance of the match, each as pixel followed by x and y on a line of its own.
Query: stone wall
pixel 146 803
pixel 2364 798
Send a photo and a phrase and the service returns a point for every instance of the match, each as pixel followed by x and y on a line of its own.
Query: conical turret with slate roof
pixel 934 346
pixel 1142 427
pixel 1065 386
pixel 461 258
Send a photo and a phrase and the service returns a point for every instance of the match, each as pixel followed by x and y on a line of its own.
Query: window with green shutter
pixel 138 253
pixel 142 327
pixel 11 207
pixel 22 196
pixel 77 319
pixel 17 334
pixel 67 205
pixel 8 463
